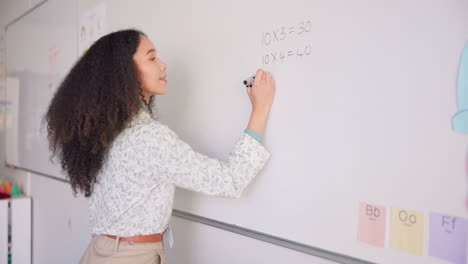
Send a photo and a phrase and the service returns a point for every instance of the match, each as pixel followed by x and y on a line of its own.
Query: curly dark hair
pixel 92 105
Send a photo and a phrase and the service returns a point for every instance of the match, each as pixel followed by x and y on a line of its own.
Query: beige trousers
pixel 105 250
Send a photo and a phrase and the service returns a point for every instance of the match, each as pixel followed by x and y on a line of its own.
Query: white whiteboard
pixel 41 49
pixel 363 115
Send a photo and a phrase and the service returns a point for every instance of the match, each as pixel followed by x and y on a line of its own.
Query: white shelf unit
pixel 15 221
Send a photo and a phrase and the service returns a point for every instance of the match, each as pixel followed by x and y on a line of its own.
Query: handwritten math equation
pixel 282 55
pixel 283 34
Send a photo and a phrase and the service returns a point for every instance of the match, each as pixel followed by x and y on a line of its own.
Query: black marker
pixel 248 81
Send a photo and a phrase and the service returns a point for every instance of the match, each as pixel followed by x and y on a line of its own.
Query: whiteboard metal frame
pixel 314 251
pixel 23 15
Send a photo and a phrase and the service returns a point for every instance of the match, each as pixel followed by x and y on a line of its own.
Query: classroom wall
pixel 9 10
pixel 60 221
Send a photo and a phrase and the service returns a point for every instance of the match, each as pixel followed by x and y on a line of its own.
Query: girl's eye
pixel 153 58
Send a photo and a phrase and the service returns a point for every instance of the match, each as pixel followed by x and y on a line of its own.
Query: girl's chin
pixel 160 92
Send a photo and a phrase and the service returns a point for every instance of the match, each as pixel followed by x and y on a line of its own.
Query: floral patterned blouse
pixel 135 187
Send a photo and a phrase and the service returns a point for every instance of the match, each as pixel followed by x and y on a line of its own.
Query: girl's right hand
pixel 262 91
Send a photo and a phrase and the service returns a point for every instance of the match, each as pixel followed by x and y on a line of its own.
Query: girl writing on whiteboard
pixel 112 149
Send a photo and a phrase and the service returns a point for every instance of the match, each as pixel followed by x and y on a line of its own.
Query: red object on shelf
pixel 4 195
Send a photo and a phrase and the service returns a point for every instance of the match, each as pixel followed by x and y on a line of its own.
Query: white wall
pixel 60 221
